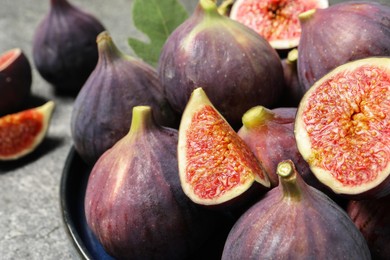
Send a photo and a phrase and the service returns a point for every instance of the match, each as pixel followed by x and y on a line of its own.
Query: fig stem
pixel 224 7
pixel 208 5
pixel 288 180
pixel 257 116
pixel 303 17
pixel 141 118
pixel 292 56
pixel 107 48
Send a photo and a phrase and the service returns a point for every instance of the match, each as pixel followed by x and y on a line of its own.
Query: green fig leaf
pixel 156 19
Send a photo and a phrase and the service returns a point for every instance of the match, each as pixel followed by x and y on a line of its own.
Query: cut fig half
pixel 215 165
pixel 22 132
pixel 276 21
pixel 342 128
pixel 15 80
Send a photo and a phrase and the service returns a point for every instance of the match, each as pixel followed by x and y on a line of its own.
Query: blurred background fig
pixel 15 81
pixel 134 203
pixel 341 33
pixel 235 66
pixel 102 110
pixel 295 221
pixel 64 46
pixel 276 21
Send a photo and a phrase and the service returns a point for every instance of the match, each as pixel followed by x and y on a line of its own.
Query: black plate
pixel 72 191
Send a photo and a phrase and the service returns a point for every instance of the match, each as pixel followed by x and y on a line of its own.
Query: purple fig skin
pixel 102 111
pixel 295 221
pixel 134 202
pixel 372 218
pixel 235 66
pixel 15 81
pixel 293 92
pixel 64 46
pixel 340 33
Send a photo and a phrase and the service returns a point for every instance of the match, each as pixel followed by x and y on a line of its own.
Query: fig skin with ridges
pixel 134 203
pixel 372 218
pixel 22 132
pixel 295 221
pixel 15 81
pixel 64 46
pixel 102 110
pixel 341 33
pixel 342 130
pixel 235 66
pixel 217 169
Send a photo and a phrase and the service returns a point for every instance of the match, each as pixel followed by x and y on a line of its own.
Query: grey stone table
pixel 31 225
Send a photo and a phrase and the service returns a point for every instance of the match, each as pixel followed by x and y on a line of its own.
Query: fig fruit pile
pixel 225 130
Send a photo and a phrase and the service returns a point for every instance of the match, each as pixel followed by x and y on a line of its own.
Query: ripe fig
pixel 342 128
pixel 270 136
pixel 64 46
pixel 15 80
pixel 217 169
pixel 134 203
pixel 22 132
pixel 293 92
pixel 341 33
pixel 102 110
pixel 295 221
pixel 372 218
pixel 276 21
pixel 235 66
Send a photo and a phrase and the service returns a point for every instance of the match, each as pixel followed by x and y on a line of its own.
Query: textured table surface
pixel 31 225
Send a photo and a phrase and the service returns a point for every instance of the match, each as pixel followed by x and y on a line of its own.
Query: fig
pixel 15 81
pixel 235 66
pixel 134 203
pixel 293 92
pixel 22 132
pixel 341 33
pixel 102 110
pixel 270 136
pixel 217 169
pixel 342 128
pixel 372 218
pixel 277 21
pixel 295 221
pixel 64 46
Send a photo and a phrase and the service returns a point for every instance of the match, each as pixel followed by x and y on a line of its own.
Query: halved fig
pixel 277 21
pixel 15 80
pixel 22 132
pixel 342 128
pixel 215 165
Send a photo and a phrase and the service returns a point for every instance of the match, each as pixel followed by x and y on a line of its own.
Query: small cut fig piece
pixel 21 133
pixel 215 164
pixel 15 80
pixel 294 221
pixel 64 46
pixel 276 21
pixel 342 128
pixel 134 203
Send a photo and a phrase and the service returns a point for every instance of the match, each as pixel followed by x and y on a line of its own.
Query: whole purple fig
pixel 134 202
pixel 102 110
pixel 295 221
pixel 64 46
pixel 343 32
pixel 235 66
